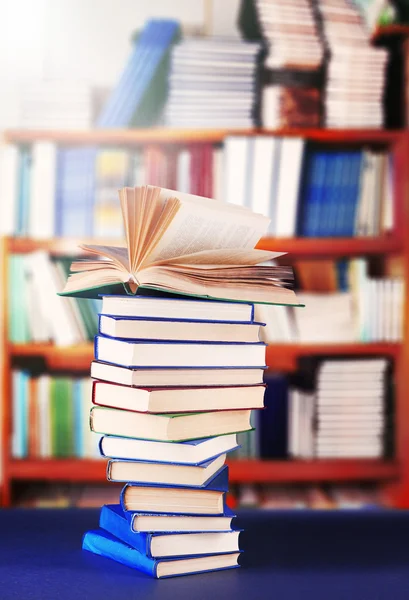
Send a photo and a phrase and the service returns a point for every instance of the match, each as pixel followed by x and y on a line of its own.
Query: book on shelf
pixel 104 544
pixel 215 258
pixel 169 427
pixel 159 545
pixel 191 452
pixel 168 400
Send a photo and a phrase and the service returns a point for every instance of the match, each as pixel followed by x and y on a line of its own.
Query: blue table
pixel 288 555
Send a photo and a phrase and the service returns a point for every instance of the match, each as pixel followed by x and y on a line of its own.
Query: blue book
pixel 165 499
pixel 336 209
pixel 273 425
pixel 325 195
pixel 191 354
pixel 104 544
pixel 352 192
pixel 75 191
pixel 151 49
pixel 19 441
pixel 190 452
pixel 176 523
pixel 311 196
pixel 159 545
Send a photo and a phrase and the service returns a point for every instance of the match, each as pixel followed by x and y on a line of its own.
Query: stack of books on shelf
pixel 348 415
pixel 175 378
pixel 290 95
pixel 212 83
pixel 356 70
pixel 50 417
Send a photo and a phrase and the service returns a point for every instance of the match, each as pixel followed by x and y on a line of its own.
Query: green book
pixel 19 332
pixel 62 418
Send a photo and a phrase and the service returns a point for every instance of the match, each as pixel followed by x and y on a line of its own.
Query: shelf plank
pixel 330 247
pixel 73 358
pixel 258 471
pixel 280 357
pixel 255 471
pixel 283 357
pixel 306 247
pixel 131 137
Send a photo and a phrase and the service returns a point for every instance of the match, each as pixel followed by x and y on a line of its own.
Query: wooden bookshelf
pixel 394 475
pixel 256 471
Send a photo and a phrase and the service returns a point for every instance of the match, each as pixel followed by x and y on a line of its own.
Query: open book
pixel 184 244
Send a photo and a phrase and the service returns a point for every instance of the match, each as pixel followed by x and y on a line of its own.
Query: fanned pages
pixel 184 244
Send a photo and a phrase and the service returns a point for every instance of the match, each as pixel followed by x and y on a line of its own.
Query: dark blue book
pixel 352 191
pixel 150 51
pixel 160 545
pixel 312 192
pixel 102 543
pixel 273 419
pixel 207 500
pixel 324 225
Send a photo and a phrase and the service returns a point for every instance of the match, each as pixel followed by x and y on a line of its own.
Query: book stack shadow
pixel 174 381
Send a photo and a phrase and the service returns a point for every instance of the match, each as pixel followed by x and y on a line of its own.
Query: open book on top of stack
pixel 184 244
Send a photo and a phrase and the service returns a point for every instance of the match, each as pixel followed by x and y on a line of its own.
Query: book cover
pixel 219 482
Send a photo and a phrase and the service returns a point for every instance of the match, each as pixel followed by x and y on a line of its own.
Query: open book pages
pixel 185 244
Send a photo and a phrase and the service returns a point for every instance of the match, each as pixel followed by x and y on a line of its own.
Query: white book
pixel 387 208
pixel 42 191
pixel 61 322
pixel 9 166
pixel 292 150
pixel 38 325
pixel 218 173
pixel 183 171
pixel 237 162
pixel 262 174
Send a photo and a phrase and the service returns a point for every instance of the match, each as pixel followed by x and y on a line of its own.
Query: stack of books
pixel 290 94
pixel 356 71
pixel 348 415
pixel 169 414
pixel 212 83
pixel 176 378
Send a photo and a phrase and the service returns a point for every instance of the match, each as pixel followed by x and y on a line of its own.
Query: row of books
pixel 50 417
pixel 262 496
pixel 304 190
pixel 40 315
pixel 309 191
pixel 363 309
pixel 347 415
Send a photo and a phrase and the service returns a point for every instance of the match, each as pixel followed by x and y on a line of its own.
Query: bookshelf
pixel 393 474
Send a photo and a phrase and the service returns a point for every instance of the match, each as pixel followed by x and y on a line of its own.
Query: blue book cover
pixel 102 543
pixel 325 197
pixel 337 206
pixel 352 192
pixel 311 195
pixel 151 48
pixel 112 519
pixel 273 425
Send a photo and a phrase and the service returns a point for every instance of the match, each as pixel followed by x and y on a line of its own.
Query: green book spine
pixel 62 418
pixel 18 317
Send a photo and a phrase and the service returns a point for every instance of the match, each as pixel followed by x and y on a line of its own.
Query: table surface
pixel 333 555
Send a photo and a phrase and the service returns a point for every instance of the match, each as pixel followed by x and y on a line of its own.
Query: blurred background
pixel 296 109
